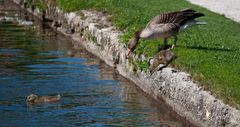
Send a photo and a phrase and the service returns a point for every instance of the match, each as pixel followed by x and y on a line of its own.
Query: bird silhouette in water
pixel 164 26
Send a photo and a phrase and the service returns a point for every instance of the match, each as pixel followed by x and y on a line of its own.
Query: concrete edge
pixel 176 88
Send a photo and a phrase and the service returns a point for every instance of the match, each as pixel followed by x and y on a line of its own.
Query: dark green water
pixel 35 59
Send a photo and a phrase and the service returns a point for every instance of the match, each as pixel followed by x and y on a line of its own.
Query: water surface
pixel 36 59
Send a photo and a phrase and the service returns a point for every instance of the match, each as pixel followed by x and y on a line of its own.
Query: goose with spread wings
pixel 164 26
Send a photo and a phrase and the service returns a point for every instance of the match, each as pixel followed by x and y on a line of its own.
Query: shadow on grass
pixel 209 48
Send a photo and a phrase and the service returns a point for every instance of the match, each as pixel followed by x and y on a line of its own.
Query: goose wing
pixel 165 22
pixel 174 19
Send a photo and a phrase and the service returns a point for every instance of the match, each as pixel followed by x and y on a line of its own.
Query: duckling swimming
pixel 33 99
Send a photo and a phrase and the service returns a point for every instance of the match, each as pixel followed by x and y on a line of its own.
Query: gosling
pixel 162 58
pixel 33 99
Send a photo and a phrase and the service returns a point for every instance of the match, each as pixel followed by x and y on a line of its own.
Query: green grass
pixel 211 53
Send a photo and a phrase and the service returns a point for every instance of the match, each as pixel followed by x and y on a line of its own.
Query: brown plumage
pixel 163 57
pixel 33 99
pixel 164 26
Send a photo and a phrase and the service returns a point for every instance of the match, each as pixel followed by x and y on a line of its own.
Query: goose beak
pixel 128 52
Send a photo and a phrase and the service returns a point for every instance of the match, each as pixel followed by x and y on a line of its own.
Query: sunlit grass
pixel 209 52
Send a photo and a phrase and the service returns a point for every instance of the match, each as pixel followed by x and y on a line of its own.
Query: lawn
pixel 211 53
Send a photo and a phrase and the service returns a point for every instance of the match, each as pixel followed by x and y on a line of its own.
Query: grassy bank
pixel 211 53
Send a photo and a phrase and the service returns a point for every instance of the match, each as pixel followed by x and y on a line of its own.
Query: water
pixel 36 59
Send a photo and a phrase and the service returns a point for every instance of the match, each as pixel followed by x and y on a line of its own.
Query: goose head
pixel 132 43
pixel 32 98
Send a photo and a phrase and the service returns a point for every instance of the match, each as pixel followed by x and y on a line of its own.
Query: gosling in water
pixel 33 99
pixel 163 57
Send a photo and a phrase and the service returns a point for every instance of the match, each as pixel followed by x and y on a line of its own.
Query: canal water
pixel 36 59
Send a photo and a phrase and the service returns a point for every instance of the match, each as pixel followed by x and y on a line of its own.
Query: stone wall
pixel 93 30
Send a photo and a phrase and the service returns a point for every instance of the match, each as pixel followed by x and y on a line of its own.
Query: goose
pixel 33 99
pixel 164 26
